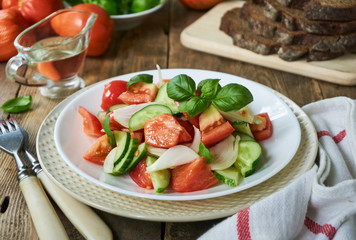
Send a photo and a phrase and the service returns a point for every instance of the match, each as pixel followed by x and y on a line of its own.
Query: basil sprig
pixel 229 98
pixel 18 104
pixel 146 78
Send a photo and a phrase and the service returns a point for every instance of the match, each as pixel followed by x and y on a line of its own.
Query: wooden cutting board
pixel 204 35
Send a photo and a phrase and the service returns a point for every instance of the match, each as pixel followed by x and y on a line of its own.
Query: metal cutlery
pixel 88 223
pixel 44 217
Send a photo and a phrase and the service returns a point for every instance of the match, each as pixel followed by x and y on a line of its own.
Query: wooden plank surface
pixel 156 41
pixel 204 35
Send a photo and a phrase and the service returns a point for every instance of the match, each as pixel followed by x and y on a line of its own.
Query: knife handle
pixel 88 223
pixel 44 217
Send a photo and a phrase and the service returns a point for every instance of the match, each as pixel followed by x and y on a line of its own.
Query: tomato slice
pixel 137 134
pixel 188 126
pixel 165 131
pixel 112 91
pixel 140 176
pixel 99 150
pixel 139 92
pixel 218 133
pixel 91 124
pixel 263 130
pixel 193 176
pixel 194 120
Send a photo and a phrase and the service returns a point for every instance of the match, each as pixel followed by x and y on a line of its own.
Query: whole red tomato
pixel 10 3
pixel 102 30
pixel 35 10
pixel 12 24
pixel 70 24
pixel 200 4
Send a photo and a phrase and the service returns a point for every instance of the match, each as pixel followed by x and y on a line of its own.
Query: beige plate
pixel 174 211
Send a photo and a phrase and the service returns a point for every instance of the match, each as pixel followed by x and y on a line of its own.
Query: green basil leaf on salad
pixel 146 78
pixel 209 88
pixel 194 106
pixel 106 127
pixel 204 152
pixel 232 97
pixel 18 104
pixel 181 88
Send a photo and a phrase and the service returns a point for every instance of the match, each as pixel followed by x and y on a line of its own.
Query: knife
pixel 88 223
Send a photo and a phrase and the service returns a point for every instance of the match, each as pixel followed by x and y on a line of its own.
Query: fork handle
pixel 44 217
pixel 88 223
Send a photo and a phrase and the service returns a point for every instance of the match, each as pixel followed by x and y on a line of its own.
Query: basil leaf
pixel 203 82
pixel 204 152
pixel 106 127
pixel 194 106
pixel 16 105
pixel 232 97
pixel 146 78
pixel 210 88
pixel 181 88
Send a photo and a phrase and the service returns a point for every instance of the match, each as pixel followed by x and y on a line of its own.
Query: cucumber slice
pixel 231 176
pixel 160 178
pixel 122 142
pixel 120 167
pixel 242 127
pixel 138 119
pixel 248 157
pixel 114 157
pixel 139 155
pixel 162 98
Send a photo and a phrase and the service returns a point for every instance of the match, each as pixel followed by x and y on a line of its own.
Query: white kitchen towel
pixel 320 204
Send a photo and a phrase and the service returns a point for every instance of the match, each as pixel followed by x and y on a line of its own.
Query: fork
pixel 82 216
pixel 44 217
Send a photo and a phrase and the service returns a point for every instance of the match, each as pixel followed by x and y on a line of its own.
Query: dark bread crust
pixel 234 24
pixel 238 30
pixel 296 20
pixel 325 10
pixel 263 26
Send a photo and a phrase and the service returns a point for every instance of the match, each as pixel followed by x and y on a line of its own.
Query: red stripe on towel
pixel 243 224
pixel 326 229
pixel 337 138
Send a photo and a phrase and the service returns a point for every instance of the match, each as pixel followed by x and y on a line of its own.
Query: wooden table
pixel 156 41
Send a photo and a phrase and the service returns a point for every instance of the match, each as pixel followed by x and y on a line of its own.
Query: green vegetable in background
pixel 110 6
pixel 116 7
pixel 16 105
pixel 142 5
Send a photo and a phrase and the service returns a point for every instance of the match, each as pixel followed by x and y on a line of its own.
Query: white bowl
pixel 132 20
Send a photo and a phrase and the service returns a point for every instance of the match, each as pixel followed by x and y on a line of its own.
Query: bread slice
pixel 261 25
pixel 238 30
pixel 329 10
pixel 236 26
pixel 296 20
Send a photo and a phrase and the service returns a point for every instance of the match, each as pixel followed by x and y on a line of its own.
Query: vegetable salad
pixel 176 134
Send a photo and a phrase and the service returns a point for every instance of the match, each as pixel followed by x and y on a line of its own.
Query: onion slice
pixel 224 153
pixel 196 140
pixel 174 156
